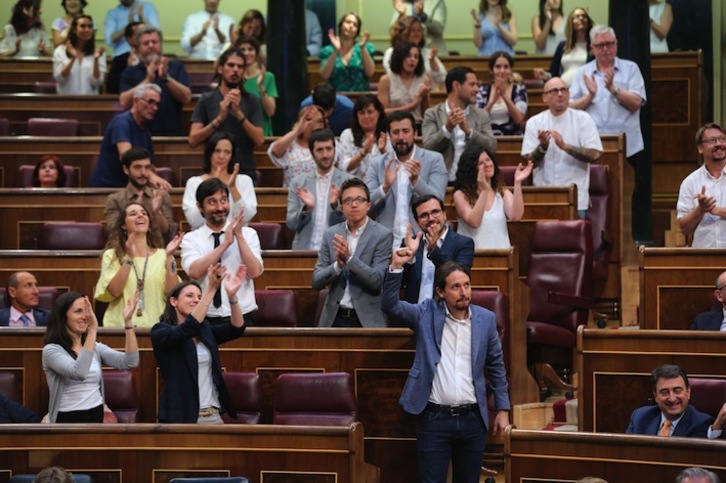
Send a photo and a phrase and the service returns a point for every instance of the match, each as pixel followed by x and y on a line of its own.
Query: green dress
pixel 271 87
pixel 350 78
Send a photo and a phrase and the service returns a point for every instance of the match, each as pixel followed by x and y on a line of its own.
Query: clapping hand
pixel 705 203
pixel 234 280
pixel 342 251
pixel 306 196
pixel 334 40
pixel 173 245
pixel 364 39
pixel 129 308
pixel 522 172
pixel 412 242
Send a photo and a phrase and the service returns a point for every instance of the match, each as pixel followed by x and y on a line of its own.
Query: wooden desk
pixel 157 453
pixel 676 284
pixel 552 456
pixel 614 369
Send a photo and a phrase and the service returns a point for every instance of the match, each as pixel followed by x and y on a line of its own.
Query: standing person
pixel 338 109
pixel 548 28
pixel 205 33
pixel 495 27
pixel 252 24
pixel 366 138
pixel 227 241
pixel 702 196
pixel 170 75
pixel 313 33
pixel 126 12
pixel 431 14
pixel 410 29
pixel 186 348
pixel 456 344
pixel 345 64
pixel 312 199
pixel 219 163
pixel 73 360
pixel 23 300
pixel 135 264
pixel 60 26
pixel 78 67
pixel 49 172
pixel 122 61
pixel 259 81
pixel 352 262
pixel 661 21
pixel 230 109
pixel 714 319
pixel 453 125
pixel 483 204
pixel 505 99
pixel 25 36
pixel 396 180
pixel 562 142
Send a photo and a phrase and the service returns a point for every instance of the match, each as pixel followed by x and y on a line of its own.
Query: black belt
pixel 347 313
pixel 218 319
pixel 454 411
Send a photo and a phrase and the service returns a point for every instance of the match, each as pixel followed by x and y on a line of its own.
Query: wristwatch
pixel 616 92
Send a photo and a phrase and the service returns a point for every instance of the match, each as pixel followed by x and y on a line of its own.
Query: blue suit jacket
pixel 457 248
pixel 427 321
pixel 40 315
pixel 646 420
pixel 13 412
pixel 176 355
pixel 708 320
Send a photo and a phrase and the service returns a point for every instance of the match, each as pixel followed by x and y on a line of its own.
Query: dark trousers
pixel 346 318
pixel 443 438
pixel 93 415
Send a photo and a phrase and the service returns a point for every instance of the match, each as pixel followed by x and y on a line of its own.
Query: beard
pixel 402 148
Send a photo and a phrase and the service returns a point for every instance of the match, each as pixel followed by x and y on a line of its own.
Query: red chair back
pixel 315 399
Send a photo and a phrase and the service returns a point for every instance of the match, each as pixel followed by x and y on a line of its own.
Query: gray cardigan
pixel 59 366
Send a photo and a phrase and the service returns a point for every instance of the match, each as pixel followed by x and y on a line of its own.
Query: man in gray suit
pixel 396 180
pixel 312 199
pixel 352 263
pixel 451 126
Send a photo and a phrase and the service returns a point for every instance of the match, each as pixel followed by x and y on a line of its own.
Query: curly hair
pixel 118 235
pixel 363 101
pixel 467 173
pixel 400 52
pixel 57 331
pixel 401 29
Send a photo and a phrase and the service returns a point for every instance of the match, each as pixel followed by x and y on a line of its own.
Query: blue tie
pixel 25 319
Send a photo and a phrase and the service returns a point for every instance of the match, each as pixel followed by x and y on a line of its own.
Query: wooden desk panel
pixel 614 369
pixel 552 456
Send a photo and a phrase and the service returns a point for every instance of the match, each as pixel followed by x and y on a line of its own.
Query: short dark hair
pixel 397 116
pixel 247 39
pixel 457 74
pixel 400 52
pixel 353 183
pixel 496 55
pixel 84 4
pixel 57 332
pixel 61 181
pixel 223 58
pixel 423 199
pixel 667 371
pixel 129 30
pixel 209 187
pixel 134 154
pixel 12 282
pixel 211 145
pixel 446 269
pixel 324 96
pixel 320 135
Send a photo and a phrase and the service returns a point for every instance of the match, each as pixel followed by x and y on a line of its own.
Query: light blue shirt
pixel 314 33
pixel 610 117
pixel 118 18
pixel 492 38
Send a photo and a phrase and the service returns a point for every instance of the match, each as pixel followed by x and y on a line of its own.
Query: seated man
pixel 697 475
pixel 672 416
pixel 12 412
pixel 23 298
pixel 338 109
pixel 714 319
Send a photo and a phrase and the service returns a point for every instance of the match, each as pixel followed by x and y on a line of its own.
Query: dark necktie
pixel 25 320
pixel 218 294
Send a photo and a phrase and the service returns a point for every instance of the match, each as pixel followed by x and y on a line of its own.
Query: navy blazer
pixel 427 321
pixel 40 315
pixel 176 355
pixel 13 412
pixel 646 420
pixel 708 320
pixel 457 248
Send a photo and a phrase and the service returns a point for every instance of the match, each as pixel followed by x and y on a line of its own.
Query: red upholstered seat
pixel 25 176
pixel 275 308
pixel 322 295
pixel 599 217
pixel 707 395
pixel 271 235
pixel 168 175
pixel 46 297
pixel 10 386
pixel 315 399
pixel 71 235
pixel 4 127
pixel 507 175
pixel 45 87
pixel 246 391
pixel 120 395
pixel 45 126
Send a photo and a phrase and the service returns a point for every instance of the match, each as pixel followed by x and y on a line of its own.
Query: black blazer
pixel 40 315
pixel 708 320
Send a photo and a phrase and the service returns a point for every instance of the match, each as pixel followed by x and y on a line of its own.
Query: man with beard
pixel 170 75
pixel 231 243
pixel 352 262
pixel 157 202
pixel 232 110
pixel 456 345
pixel 312 199
pixel 397 179
pixel 205 32
pixel 456 123
pixel 23 297
pixel 702 197
pixel 432 246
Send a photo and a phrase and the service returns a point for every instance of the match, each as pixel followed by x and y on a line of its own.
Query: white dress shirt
pixel 453 382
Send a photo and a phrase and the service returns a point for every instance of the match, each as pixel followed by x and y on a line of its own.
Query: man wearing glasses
pixel 562 142
pixel 352 263
pixel 432 246
pixel 702 197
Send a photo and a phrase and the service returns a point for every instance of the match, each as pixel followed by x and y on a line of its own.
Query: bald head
pixel 23 291
pixel 556 94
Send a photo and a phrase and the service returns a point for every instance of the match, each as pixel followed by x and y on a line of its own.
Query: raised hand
pixel 609 76
pixel 99 52
pixel 382 141
pixel 544 138
pixel 234 280
pixel 342 251
pixel 558 139
pixel 306 196
pixel 334 194
pixel 523 172
pixel 157 198
pixel 173 245
pixel 400 7
pixel 334 40
pixel 129 308
pixel 163 66
pixel 90 315
pixel 215 273
pixel 130 246
pixel 412 242
pixel 261 77
pixel 705 203
pixel 364 39
pixel 418 7
pixel 590 84
pixel 368 143
pixel 413 166
pixel 400 257
pixel 391 173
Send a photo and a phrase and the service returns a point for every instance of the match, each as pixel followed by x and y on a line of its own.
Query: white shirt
pixel 723 322
pixel 559 168
pixel 200 242
pixel 209 47
pixel 353 237
pixel 711 231
pixel 453 383
pixel 207 390
pixel 320 218
pixel 14 320
pixel 403 199
pixel 459 141
pixel 80 80
pixel 248 201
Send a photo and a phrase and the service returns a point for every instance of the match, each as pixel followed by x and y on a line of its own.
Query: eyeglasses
pixel 558 90
pixel 358 200
pixel 605 45
pixel 425 216
pixel 579 16
pixel 720 140
pixel 151 102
